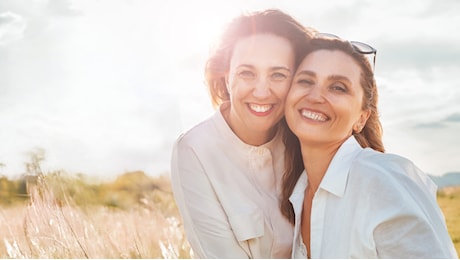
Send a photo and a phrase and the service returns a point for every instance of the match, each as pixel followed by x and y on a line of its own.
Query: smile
pixel 260 108
pixel 313 115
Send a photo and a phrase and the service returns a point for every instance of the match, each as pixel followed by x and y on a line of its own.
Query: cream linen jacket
pixel 372 205
pixel 227 193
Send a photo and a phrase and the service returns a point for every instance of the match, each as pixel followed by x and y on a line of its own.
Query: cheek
pixel 281 90
pixel 289 106
pixel 235 87
pixel 289 103
pixel 349 115
pixel 290 116
pixel 294 95
pixel 285 94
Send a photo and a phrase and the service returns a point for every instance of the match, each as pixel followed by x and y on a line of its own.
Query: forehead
pixel 263 48
pixel 331 62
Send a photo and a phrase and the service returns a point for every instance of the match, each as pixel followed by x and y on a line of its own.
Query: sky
pixel 105 87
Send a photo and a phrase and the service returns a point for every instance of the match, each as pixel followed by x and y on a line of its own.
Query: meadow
pixel 65 217
pixel 56 215
pixel 449 201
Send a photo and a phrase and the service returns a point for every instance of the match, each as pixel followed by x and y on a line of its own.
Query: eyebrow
pixel 339 77
pixel 306 72
pixel 281 68
pixel 272 68
pixel 331 77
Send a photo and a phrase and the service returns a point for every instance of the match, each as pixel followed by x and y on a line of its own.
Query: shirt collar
pixel 335 179
pixel 299 188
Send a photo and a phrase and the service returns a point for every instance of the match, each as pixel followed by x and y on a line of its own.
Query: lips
pixel 313 115
pixel 260 108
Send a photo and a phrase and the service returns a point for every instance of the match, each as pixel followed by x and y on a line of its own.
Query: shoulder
pixel 375 162
pixel 371 159
pixel 187 154
pixel 197 134
pixel 391 170
pixel 393 185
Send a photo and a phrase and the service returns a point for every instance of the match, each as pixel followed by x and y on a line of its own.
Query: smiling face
pixel 259 78
pixel 324 104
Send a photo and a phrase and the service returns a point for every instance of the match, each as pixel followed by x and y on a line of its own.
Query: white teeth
pixel 314 116
pixel 260 108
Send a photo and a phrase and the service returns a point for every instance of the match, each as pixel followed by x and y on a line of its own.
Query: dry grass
pixel 48 228
pixel 449 201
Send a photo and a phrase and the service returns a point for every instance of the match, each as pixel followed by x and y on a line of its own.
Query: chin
pixel 306 134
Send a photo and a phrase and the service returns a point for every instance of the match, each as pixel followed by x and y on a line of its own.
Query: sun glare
pixel 199 24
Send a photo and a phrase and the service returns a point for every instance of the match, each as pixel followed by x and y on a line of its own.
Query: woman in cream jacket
pixel 226 171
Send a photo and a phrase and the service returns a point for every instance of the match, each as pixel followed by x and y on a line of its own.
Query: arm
pixel 412 237
pixel 413 225
pixel 205 221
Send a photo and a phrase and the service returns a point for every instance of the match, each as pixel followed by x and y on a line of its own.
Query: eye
pixel 305 81
pixel 339 87
pixel 278 76
pixel 246 74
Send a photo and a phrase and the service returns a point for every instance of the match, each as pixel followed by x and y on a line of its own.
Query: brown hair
pixel 269 21
pixel 370 136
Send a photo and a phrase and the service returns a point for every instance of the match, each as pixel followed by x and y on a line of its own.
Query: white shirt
pixel 372 205
pixel 228 193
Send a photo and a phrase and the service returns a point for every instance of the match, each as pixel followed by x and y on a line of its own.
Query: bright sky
pixel 106 86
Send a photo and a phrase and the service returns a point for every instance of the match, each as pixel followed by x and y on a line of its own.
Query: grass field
pixel 449 201
pixel 132 217
pixel 122 220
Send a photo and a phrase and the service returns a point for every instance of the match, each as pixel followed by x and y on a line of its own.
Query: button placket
pixel 262 164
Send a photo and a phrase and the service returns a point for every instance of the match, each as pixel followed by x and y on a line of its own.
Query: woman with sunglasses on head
pixel 344 195
pixel 226 171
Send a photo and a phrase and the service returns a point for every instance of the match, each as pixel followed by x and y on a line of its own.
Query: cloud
pixel 433 125
pixel 420 53
pixel 12 27
pixel 455 118
pixel 440 8
pixel 63 8
pixel 113 88
pixel 452 118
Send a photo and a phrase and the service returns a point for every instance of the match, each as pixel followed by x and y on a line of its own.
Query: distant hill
pixel 446 180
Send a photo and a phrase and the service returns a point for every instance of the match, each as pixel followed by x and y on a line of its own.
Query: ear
pixel 359 125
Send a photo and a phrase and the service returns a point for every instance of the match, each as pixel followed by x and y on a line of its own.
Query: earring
pixel 358 129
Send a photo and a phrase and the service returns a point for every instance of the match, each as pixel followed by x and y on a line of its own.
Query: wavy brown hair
pixel 370 136
pixel 270 21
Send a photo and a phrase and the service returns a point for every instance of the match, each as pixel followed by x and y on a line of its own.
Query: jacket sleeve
pixel 412 224
pixel 205 222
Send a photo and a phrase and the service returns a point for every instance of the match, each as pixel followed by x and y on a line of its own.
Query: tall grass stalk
pixel 52 228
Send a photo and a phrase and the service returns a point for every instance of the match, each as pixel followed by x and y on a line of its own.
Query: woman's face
pixel 259 77
pixel 324 104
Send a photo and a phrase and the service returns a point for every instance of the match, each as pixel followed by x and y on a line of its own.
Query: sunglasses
pixel 360 47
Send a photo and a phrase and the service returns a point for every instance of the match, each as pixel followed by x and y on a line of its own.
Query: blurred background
pixel 106 86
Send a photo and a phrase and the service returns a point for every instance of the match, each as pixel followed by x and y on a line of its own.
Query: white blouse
pixel 372 205
pixel 227 193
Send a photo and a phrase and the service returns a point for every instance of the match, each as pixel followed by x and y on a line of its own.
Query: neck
pixel 257 139
pixel 317 158
pixel 252 137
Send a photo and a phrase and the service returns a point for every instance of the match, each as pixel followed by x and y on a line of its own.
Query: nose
pixel 315 94
pixel 262 89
